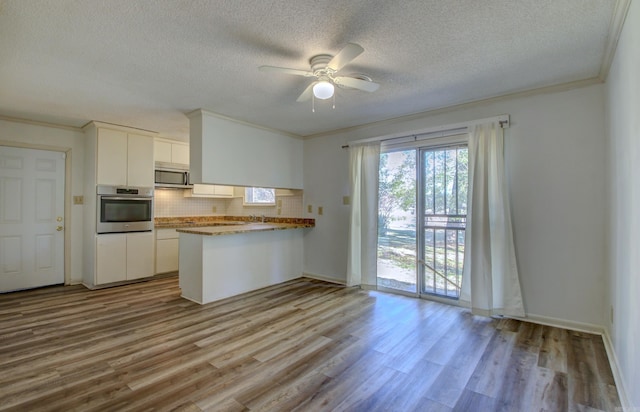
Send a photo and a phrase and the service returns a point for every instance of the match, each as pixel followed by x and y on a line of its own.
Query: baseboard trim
pixel 617 375
pixel 192 300
pixel 608 345
pixel 325 278
pixel 562 323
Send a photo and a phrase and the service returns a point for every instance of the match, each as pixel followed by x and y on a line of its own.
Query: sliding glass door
pixel 444 178
pixel 422 216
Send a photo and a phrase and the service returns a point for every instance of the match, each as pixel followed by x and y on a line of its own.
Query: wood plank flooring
pixel 303 345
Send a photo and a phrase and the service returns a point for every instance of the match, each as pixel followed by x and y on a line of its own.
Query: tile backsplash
pixel 170 203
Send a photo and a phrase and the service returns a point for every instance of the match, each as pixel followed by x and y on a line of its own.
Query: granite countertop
pixel 243 227
pixel 226 225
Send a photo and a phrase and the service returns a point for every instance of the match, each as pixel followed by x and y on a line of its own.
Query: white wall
pixel 228 152
pixel 326 181
pixel 62 139
pixel 555 165
pixel 623 109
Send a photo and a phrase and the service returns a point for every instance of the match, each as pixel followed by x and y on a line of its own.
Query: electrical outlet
pixel 214 209
pixel 78 200
pixel 320 210
pixel 279 211
pixel 279 203
pixel 346 200
pixel 309 209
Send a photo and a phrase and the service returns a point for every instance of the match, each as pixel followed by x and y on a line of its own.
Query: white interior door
pixel 31 218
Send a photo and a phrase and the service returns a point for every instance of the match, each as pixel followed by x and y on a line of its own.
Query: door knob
pixel 59 228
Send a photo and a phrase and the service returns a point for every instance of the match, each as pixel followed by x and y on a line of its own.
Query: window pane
pixel 259 196
pixel 397 221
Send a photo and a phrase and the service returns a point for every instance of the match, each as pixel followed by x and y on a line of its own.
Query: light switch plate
pixel 320 210
pixel 346 200
pixel 309 209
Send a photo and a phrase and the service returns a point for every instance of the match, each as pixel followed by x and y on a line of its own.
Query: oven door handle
pixel 125 198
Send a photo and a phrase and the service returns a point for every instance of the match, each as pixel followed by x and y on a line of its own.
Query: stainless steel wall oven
pixel 124 209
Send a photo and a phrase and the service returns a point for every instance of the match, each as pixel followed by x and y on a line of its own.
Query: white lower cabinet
pixel 124 256
pixel 111 258
pixel 139 255
pixel 167 249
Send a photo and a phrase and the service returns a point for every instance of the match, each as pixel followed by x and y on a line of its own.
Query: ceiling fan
pixel 324 68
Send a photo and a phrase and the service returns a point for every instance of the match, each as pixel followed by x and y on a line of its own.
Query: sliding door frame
pixel 421 146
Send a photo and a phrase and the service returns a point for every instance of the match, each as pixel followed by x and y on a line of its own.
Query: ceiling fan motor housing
pixel 319 63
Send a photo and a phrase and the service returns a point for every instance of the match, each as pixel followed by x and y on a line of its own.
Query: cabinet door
pixel 162 151
pixel 140 259
pixel 140 161
pixel 223 191
pixel 112 158
pixel 111 258
pixel 180 153
pixel 167 251
pixel 203 190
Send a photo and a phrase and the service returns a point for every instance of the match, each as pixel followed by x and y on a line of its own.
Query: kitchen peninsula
pixel 229 257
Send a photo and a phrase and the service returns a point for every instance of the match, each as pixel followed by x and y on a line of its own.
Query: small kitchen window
pixel 259 196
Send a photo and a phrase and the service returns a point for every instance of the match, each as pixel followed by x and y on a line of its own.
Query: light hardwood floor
pixel 304 345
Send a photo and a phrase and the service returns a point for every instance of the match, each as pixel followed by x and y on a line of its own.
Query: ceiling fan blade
pixel 344 56
pixel 297 72
pixel 306 94
pixel 359 84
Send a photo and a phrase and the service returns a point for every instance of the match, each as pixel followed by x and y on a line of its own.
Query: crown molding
pixel 128 129
pixel 420 115
pixel 616 24
pixel 39 123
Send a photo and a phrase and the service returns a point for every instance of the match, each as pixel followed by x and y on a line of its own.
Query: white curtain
pixel 364 161
pixel 490 280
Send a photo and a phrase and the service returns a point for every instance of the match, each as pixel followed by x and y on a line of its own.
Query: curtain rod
pixel 437 131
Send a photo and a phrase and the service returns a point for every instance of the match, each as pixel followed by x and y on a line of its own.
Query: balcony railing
pixel 443 254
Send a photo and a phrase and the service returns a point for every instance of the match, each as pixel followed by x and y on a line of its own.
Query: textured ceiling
pixel 147 63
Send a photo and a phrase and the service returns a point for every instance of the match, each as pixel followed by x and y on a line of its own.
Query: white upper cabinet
pixel 180 153
pixel 166 151
pixel 209 191
pixel 223 191
pixel 140 161
pixel 124 159
pixel 112 157
pixel 228 152
pixel 161 151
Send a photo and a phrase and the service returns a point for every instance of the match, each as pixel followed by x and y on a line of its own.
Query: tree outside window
pixel 259 196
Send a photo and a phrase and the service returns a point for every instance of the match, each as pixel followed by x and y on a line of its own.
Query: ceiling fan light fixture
pixel 323 90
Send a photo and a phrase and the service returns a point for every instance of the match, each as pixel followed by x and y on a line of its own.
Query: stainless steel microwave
pixel 172 178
